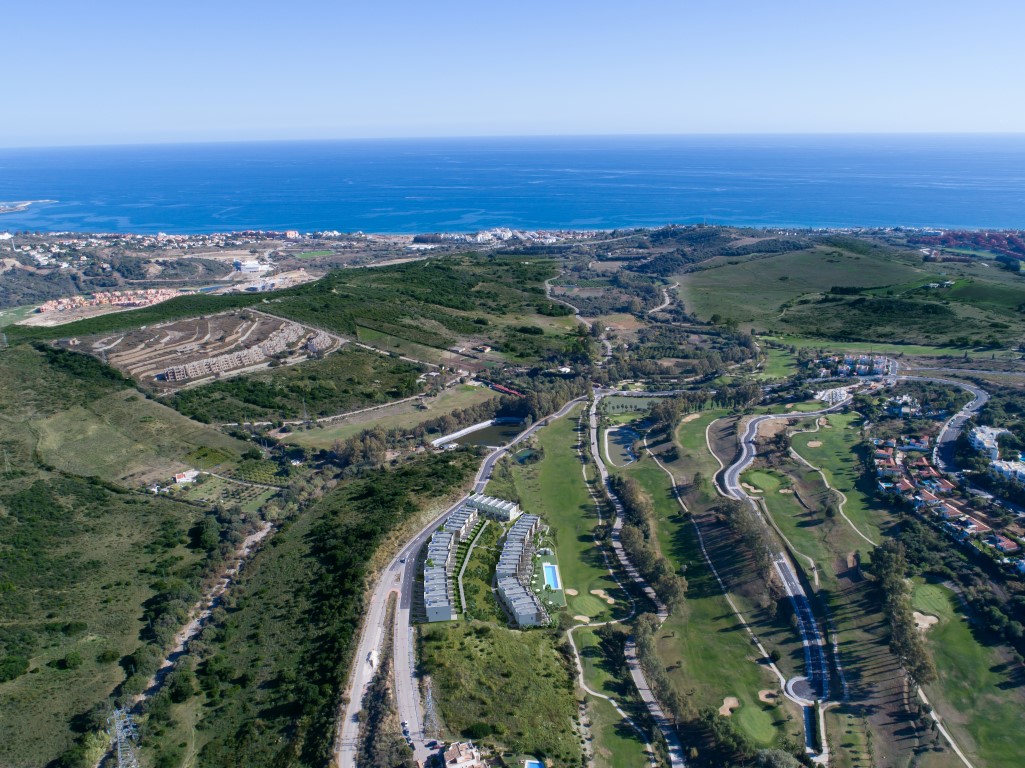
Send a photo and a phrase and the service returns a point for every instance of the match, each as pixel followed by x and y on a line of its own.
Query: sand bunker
pixel 824 422
pixel 750 488
pixel 768 697
pixel 571 592
pixel 814 443
pixel 690 417
pixel 584 619
pixel 729 704
pixel 603 595
pixel 786 490
pixel 923 621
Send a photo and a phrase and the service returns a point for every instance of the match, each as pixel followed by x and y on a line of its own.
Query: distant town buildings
pixel 140 298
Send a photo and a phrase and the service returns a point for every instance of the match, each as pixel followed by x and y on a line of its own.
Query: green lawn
pixel 978 694
pixel 15 314
pixel 839 462
pixel 616 744
pixel 705 638
pixel 753 290
pixel 779 363
pixel 312 254
pixel 554 488
pixel 914 350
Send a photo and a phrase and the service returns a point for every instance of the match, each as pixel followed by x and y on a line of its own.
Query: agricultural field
pixel 979 690
pixel 346 380
pixel 212 490
pixel 398 416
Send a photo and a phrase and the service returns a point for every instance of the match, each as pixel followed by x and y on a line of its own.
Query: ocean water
pixel 408 186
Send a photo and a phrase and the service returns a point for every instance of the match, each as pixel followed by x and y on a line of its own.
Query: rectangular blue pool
pixel 534 763
pixel 551 579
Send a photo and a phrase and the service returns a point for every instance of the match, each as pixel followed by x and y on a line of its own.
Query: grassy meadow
pixel 979 693
pixel 882 295
pixel 81 559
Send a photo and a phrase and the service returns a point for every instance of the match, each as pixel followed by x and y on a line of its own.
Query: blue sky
pixel 114 71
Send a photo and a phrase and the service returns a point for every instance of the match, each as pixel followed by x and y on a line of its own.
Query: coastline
pixel 19 206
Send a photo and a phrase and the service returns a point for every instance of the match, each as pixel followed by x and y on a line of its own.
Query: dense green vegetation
pixel 430 302
pixel 272 669
pixel 856 290
pixel 504 687
pixel 345 380
pixel 91 574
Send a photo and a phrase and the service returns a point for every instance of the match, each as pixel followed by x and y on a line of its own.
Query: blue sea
pixel 457 185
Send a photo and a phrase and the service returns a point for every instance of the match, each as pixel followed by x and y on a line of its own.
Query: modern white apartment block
pixel 985 439
pixel 497 509
pixel 438 598
pixel 461 522
pixel 514 569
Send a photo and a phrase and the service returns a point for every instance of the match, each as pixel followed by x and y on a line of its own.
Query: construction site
pixel 172 355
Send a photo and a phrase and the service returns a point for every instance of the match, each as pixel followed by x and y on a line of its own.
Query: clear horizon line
pixel 529 136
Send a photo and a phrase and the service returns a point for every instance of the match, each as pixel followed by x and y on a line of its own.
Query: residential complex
pixel 438 598
pixel 498 509
pixel 920 484
pixel 439 602
pixel 514 569
pixel 985 439
pixel 278 341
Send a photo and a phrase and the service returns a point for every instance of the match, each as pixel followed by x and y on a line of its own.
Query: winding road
pixel 398 577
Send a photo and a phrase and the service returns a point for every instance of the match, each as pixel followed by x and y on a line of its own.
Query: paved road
pixel 665 724
pixel 943 452
pixel 398 578
pixel 666 300
pixel 812 638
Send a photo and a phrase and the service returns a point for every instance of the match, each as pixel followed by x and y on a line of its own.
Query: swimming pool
pixel 533 763
pixel 551 580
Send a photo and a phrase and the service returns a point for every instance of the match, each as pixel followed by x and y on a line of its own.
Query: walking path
pixel 825 480
pixel 199 615
pixel 466 560
pixel 665 724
